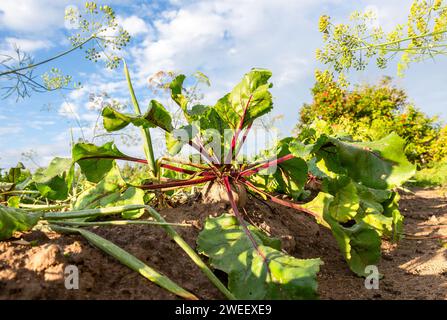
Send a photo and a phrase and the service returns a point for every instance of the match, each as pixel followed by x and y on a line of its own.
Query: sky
pixel 223 39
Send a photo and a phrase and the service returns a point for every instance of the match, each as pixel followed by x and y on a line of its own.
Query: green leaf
pixel 15 173
pixel 13 220
pixel 255 84
pixel 286 277
pixel 345 204
pixel 156 116
pixel 111 191
pixel 379 222
pixel 371 199
pixel 55 181
pixel 212 127
pixel 176 139
pixel 289 177
pixel 210 119
pixel 201 77
pixel 306 151
pixel 372 211
pixel 391 210
pixel 176 87
pixel 96 161
pixel 359 244
pixel 114 120
pixel 380 164
pixel 293 172
pixel 13 202
pixel 320 205
pixel 230 250
pixel 132 195
pixel 159 116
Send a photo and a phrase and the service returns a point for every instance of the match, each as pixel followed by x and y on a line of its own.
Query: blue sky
pixel 223 39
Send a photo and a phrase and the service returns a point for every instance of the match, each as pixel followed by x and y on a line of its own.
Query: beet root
pixel 215 191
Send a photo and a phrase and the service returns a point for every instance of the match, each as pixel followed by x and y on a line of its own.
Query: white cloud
pixel 10 130
pixel 68 110
pixel 27 45
pixel 225 39
pixel 31 15
pixel 389 13
pixel 37 16
pixel 134 25
pixel 44 153
pixel 41 124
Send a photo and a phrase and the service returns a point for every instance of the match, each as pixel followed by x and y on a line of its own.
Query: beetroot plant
pixel 348 187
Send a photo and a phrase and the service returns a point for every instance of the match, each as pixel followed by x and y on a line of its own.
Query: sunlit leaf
pixel 111 191
pixel 255 85
pixel 54 182
pixel 156 116
pixel 13 220
pixel 251 276
pixel 96 161
pixel 380 164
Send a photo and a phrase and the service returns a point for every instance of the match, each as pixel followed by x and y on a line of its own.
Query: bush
pixel 370 112
pixel 439 147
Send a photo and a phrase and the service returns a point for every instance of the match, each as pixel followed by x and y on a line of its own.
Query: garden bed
pixel 32 267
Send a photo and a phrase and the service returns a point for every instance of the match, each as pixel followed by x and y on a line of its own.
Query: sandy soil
pixel 32 266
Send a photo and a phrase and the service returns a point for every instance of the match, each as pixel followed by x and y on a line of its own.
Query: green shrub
pixel 370 112
pixel 439 147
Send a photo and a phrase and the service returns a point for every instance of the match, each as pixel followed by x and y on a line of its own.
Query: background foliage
pixel 370 112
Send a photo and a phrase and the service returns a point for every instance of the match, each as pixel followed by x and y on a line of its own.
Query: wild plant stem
pixel 148 148
pixel 384 44
pixel 119 223
pixel 90 212
pixel 192 254
pixel 19 192
pixel 42 207
pixel 47 60
pixel 129 260
pixel 169 230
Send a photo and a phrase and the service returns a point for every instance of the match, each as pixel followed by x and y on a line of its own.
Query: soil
pixel 32 266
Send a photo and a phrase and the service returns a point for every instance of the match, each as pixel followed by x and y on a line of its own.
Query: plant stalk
pixel 91 212
pixel 129 260
pixel 42 207
pixel 47 60
pixel 119 223
pixel 148 148
pixel 192 254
